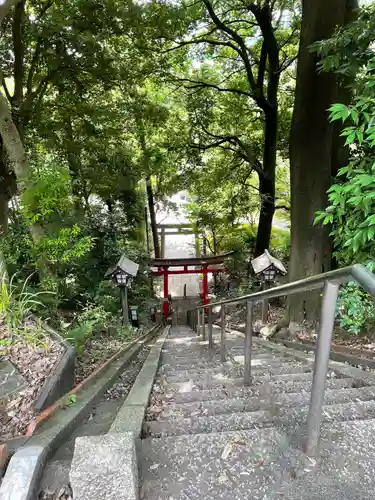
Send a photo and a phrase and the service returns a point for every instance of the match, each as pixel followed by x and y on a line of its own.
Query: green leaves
pixel 339 111
pixel 351 205
pixel 355 309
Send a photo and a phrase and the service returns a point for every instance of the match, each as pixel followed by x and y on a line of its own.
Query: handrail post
pixel 203 324
pixel 222 334
pixel 322 352
pixel 248 342
pixel 210 340
pixel 198 321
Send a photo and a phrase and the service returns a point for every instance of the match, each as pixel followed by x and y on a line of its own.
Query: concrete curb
pixel 131 414
pixel 25 468
pixel 40 419
pixel 105 467
pixel 61 380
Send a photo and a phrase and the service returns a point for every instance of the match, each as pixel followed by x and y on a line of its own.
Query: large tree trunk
pixel 267 179
pixel 18 159
pixel 150 194
pixel 8 189
pixel 154 227
pixel 311 154
pixel 267 210
pixel 13 144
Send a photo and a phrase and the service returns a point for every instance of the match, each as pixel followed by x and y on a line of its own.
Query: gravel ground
pixel 118 392
pixel 122 386
pixel 64 493
pixel 100 348
pixel 34 353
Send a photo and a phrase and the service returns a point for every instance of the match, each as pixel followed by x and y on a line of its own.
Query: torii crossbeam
pixel 190 265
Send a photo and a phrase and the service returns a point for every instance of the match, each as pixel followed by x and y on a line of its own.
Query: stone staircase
pixel 207 436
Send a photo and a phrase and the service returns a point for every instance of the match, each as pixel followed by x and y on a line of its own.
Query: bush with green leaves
pixel 351 207
pixel 80 334
pixel 97 315
pixel 355 309
pixel 280 244
pixel 17 303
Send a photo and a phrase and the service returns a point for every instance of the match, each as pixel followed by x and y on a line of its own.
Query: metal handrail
pixel 356 272
pixel 331 282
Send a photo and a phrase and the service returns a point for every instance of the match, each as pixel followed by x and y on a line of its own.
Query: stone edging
pixel 26 466
pixel 61 380
pixel 106 466
pixel 131 414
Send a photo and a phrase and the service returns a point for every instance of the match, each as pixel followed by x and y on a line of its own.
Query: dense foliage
pixel 351 210
pixel 114 113
pixel 351 198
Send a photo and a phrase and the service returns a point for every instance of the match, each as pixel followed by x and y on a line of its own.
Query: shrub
pixel 80 334
pixel 95 314
pixel 280 244
pixel 17 304
pixel 355 309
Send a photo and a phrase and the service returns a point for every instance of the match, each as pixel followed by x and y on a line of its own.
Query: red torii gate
pixel 201 266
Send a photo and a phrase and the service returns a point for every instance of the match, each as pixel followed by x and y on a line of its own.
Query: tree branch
pixel 205 147
pixel 242 51
pixel 198 84
pixel 18 50
pixel 203 40
pixel 283 207
pixel 286 63
pixel 6 90
pixel 262 66
pixel 33 65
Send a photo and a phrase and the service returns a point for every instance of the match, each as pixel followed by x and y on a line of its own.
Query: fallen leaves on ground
pixel 64 493
pixel 99 349
pixel 35 361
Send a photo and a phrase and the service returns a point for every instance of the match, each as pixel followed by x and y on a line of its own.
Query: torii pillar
pixel 166 292
pixel 205 285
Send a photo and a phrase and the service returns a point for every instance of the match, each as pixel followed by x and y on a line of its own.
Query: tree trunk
pixel 267 182
pixel 17 157
pixel 311 155
pixel 151 208
pixel 13 144
pixel 150 194
pixel 8 189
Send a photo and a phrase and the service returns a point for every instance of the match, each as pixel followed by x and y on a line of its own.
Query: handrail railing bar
pixel 331 282
pixel 356 272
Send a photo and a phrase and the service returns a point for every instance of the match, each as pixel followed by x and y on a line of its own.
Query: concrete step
pixel 276 416
pixel 236 371
pixel 199 360
pixel 227 380
pixel 200 472
pixel 170 370
pixel 260 464
pixel 217 407
pixel 273 365
pixel 233 391
pixel 193 365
